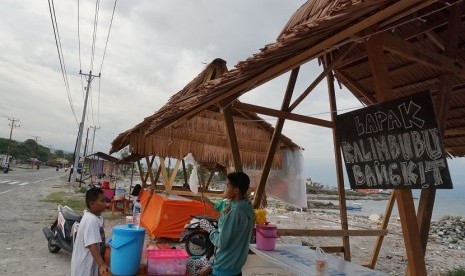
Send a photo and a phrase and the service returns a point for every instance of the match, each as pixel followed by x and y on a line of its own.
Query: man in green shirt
pixel 232 238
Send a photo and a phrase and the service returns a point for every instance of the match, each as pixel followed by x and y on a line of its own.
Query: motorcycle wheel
pixel 196 244
pixel 53 248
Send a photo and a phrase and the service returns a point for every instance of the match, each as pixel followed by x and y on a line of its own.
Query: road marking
pixel 25 183
pixel 14 182
pixel 8 191
pixel 5 181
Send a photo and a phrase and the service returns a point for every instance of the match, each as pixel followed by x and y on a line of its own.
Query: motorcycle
pixel 63 231
pixel 196 240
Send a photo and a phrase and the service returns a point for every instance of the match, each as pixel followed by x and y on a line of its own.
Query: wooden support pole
pixel 153 188
pixel 149 169
pixel 173 176
pixel 232 137
pixel 379 241
pixel 209 180
pixel 427 197
pixel 326 71
pixel 338 160
pixel 411 234
pixel 184 172
pixel 163 172
pixel 141 173
pixel 260 189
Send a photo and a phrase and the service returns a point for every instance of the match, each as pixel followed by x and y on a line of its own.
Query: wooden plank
pixel 427 197
pixel 282 114
pixel 338 163
pixel 421 55
pixel 304 56
pixel 455 131
pixel 330 249
pixel 411 234
pixel 323 74
pixel 379 241
pixel 260 189
pixel 332 232
pixel 232 137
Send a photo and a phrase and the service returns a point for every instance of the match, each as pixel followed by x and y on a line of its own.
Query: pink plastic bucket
pixel 266 236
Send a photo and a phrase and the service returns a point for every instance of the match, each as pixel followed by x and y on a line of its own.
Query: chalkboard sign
pixel 394 145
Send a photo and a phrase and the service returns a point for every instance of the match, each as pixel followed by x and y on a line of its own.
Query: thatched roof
pixel 204 135
pixel 331 26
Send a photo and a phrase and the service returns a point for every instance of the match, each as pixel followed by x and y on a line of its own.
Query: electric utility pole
pixel 90 77
pixel 93 138
pixel 35 152
pixel 9 141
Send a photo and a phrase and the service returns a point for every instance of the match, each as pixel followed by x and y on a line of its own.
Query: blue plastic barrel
pixel 126 245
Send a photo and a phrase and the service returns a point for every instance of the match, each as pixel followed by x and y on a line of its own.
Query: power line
pixel 94 38
pixel 79 43
pixel 60 55
pixel 108 36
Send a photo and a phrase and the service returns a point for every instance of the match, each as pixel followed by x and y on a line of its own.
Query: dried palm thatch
pixel 331 26
pixel 204 135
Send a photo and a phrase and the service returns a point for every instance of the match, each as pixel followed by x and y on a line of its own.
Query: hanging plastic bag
pixel 194 178
pixel 321 262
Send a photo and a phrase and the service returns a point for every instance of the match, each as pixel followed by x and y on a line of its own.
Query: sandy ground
pixel 24 250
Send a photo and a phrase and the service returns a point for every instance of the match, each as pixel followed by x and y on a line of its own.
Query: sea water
pixel 447 202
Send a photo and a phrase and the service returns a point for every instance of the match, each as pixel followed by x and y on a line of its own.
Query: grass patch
pixel 456 272
pixel 78 204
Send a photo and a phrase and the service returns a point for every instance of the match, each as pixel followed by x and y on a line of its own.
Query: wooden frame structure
pixel 379 50
pixel 210 136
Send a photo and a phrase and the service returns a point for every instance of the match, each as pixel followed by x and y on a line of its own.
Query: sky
pixel 154 49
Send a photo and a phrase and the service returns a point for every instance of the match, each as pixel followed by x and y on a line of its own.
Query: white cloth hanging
pixel 194 178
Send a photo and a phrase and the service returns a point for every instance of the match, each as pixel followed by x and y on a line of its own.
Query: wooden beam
pixel 163 171
pixel 260 189
pixel 302 57
pixel 421 55
pixel 384 225
pixel 282 114
pixel 184 172
pixel 427 197
pixel 455 131
pixel 232 137
pixel 323 74
pixel 407 36
pixel 355 87
pixel 141 173
pixel 415 255
pixel 173 176
pixel 338 162
pixel 149 168
pixel 436 40
pixel 332 232
pixel 209 180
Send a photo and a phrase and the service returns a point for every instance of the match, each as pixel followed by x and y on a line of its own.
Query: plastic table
pixel 301 261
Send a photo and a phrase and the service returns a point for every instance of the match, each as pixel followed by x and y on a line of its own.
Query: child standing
pixel 87 258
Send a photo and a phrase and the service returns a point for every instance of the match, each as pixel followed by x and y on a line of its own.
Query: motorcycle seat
pixel 210 219
pixel 70 214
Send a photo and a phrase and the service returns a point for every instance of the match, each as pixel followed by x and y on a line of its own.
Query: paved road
pixel 22 177
pixel 23 247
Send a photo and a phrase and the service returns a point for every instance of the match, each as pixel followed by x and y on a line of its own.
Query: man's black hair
pixel 239 180
pixel 92 195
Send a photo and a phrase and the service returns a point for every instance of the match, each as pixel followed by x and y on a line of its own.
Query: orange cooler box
pixel 166 261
